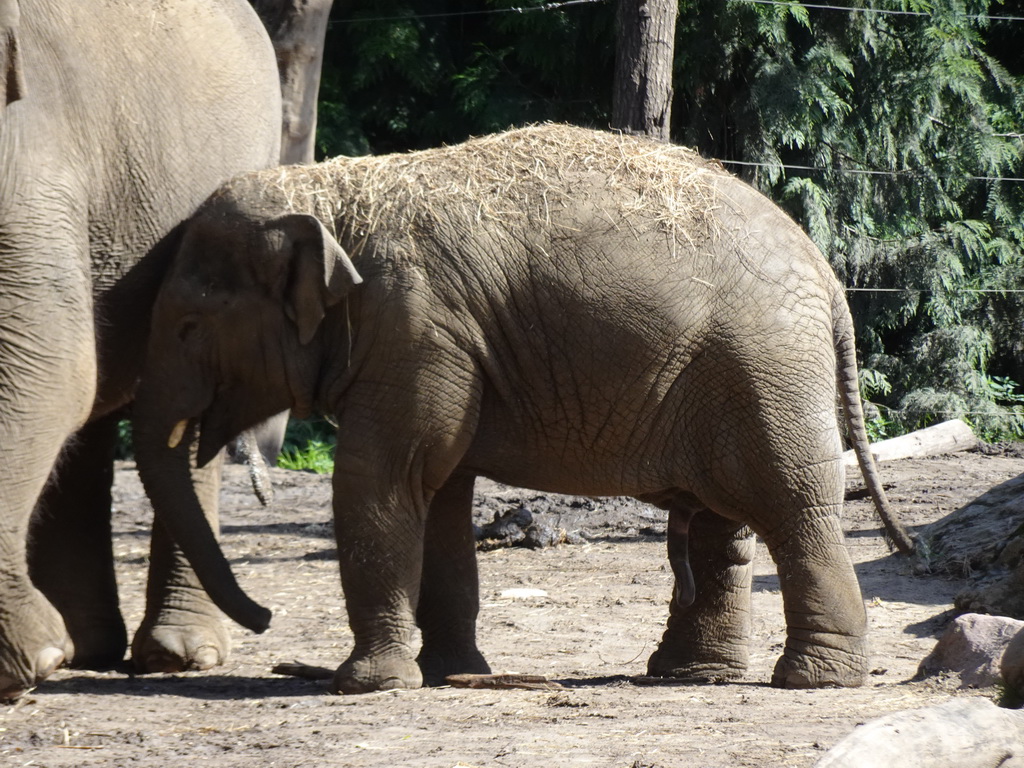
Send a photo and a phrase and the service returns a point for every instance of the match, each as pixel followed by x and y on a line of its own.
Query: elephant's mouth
pixel 219 424
pixel 216 428
pixel 223 417
pixel 211 437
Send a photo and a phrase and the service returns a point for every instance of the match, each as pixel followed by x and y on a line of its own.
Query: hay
pixel 529 176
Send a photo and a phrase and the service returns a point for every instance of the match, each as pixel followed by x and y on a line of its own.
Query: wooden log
pixel 947 437
pixel 529 682
pixel 305 671
pixel 961 733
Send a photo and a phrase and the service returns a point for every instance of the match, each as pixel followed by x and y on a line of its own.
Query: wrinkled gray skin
pixel 549 331
pixel 119 119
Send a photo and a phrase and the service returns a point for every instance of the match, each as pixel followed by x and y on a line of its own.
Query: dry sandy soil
pixel 597 617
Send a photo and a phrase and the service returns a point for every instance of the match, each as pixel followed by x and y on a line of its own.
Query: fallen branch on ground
pixel 529 682
pixel 947 437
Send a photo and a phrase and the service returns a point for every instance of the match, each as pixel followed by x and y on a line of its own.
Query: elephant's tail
pixel 849 392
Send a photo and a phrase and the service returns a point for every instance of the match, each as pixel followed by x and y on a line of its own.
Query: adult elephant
pixel 561 309
pixel 117 120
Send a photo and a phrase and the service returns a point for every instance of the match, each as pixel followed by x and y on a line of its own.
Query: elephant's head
pixel 233 341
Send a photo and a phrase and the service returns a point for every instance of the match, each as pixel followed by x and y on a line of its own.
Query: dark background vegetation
pixel 893 138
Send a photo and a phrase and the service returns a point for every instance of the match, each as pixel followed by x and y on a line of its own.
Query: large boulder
pixel 961 733
pixel 972 647
pixel 983 540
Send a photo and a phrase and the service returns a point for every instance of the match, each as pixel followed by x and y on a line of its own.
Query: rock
pixel 506 529
pixel 982 541
pixel 975 536
pixel 972 646
pixel 961 733
pixel 520 527
pixel 996 591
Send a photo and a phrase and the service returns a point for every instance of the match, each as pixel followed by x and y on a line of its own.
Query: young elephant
pixel 556 308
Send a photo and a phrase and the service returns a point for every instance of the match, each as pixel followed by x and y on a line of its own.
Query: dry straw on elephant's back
pixel 526 176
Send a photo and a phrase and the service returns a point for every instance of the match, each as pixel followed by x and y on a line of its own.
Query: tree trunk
pixel 642 101
pixel 12 82
pixel 297 29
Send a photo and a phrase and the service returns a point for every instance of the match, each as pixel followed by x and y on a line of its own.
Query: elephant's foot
pixel 180 641
pixel 101 646
pixel 377 673
pixel 664 663
pixel 435 667
pixel 13 687
pixel 93 619
pixel 33 643
pixel 822 665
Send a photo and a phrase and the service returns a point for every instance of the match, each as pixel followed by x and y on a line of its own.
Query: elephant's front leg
pixel 392 458
pixel 380 533
pixel 182 629
pixel 708 633
pixel 449 591
pixel 47 386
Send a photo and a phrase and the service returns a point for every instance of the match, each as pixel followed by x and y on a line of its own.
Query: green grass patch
pixel 308 446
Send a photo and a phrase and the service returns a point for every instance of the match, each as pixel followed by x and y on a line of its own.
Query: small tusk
pixel 177 433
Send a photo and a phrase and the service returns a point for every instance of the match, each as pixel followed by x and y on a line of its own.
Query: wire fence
pixel 907 173
pixel 564 4
pixel 558 6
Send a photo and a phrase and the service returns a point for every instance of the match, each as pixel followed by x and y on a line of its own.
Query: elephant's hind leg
pixel 449 590
pixel 825 619
pixel 71 555
pixel 708 632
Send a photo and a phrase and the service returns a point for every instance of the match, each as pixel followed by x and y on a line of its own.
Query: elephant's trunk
pixel 167 477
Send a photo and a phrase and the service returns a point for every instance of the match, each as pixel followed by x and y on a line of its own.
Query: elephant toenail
pixel 47 661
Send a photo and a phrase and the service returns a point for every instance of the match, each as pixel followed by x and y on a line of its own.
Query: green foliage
pixel 314 456
pixel 887 137
pixel 309 446
pixel 893 129
pixel 430 74
pixel 124 450
pixel 1007 696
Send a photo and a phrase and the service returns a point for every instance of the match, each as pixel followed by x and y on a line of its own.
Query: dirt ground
pixel 592 614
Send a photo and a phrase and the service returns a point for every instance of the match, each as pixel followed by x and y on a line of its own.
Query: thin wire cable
pixel 932 290
pixel 990 414
pixel 554 6
pixel 880 11
pixel 483 12
pixel 864 171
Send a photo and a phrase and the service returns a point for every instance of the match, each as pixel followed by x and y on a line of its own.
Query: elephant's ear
pixel 320 273
pixel 12 79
